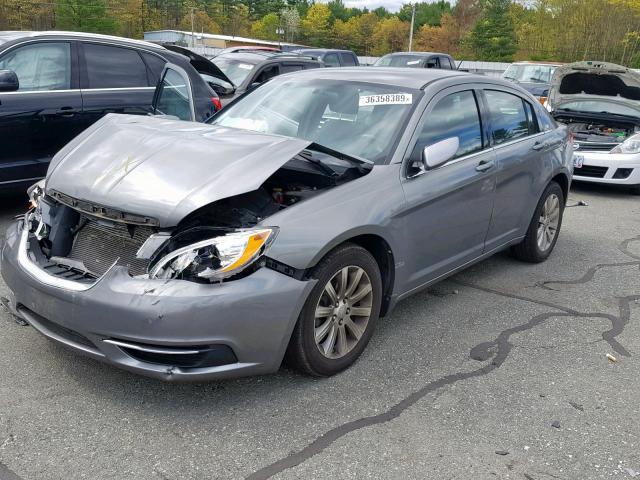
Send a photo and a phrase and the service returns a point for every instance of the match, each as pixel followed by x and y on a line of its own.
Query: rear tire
pixel 544 228
pixel 340 314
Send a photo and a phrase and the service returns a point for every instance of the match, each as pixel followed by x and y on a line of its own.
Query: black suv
pixel 242 71
pixel 331 57
pixel 53 85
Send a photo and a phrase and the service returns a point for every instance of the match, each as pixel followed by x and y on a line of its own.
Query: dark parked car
pixel 240 72
pixel 54 85
pixel 183 250
pixel 417 60
pixel 331 58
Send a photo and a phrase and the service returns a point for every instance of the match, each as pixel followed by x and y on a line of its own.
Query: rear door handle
pixel 485 165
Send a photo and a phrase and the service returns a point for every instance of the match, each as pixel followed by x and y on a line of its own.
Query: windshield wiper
pixel 323 167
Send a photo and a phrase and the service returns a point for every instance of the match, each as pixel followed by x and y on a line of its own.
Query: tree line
pixel 490 30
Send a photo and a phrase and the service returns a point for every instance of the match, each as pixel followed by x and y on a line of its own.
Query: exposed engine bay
pixel 597 129
pixel 81 241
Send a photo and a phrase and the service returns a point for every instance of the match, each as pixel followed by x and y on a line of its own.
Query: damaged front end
pixel 79 241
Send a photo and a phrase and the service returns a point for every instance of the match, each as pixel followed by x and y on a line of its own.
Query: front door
pixel 448 207
pixel 174 95
pixel 43 115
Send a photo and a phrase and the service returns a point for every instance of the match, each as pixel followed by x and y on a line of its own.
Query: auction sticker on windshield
pixel 386 99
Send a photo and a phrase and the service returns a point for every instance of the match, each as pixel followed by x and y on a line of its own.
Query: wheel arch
pixel 562 180
pixel 381 251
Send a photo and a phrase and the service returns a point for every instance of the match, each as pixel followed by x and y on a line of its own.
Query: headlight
pixel 215 258
pixel 35 191
pixel 630 145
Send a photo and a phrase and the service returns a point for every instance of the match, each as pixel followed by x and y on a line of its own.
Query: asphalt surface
pixel 498 372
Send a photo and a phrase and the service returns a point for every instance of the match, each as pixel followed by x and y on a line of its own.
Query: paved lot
pixel 485 362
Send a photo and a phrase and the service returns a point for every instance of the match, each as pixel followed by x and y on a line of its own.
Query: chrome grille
pixel 99 244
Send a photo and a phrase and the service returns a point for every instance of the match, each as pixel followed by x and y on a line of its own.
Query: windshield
pixel 595 106
pixel 529 73
pixel 236 70
pixel 399 61
pixel 358 119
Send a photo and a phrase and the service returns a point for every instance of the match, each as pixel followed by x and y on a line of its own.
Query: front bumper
pixel 252 317
pixel 611 168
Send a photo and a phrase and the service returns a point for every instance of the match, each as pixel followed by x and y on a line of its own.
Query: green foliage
pixel 84 16
pixel 556 30
pixel 427 13
pixel 493 36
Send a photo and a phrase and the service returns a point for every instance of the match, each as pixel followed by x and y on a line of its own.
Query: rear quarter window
pixel 348 60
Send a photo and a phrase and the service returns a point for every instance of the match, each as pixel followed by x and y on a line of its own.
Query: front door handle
pixel 485 165
pixel 540 146
pixel 66 112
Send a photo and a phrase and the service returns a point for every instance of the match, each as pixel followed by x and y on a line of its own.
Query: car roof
pixel 415 78
pixel 260 56
pixel 321 50
pixel 7 36
pixel 417 54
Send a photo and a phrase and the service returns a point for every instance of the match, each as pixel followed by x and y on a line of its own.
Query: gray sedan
pixel 288 225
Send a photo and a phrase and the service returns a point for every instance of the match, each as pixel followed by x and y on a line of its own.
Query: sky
pixel 391 5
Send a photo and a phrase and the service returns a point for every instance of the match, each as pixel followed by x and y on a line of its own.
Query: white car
pixel 600 103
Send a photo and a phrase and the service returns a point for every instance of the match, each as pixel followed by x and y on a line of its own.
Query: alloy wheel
pixel 343 312
pixel 548 222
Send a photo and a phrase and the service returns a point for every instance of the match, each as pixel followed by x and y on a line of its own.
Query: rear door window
pixel 508 117
pixel 444 63
pixel 531 118
pixel 290 67
pixel 113 67
pixel 331 60
pixel 40 66
pixel 347 59
pixel 155 64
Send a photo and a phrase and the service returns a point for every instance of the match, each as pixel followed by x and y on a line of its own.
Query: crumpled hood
pixel 163 168
pixel 594 81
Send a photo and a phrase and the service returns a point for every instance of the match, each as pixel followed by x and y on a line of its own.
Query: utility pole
pixel 192 32
pixel 413 17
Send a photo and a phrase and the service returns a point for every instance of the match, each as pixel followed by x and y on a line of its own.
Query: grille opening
pixel 208 356
pixel 595 147
pixel 622 173
pixel 98 245
pixel 590 171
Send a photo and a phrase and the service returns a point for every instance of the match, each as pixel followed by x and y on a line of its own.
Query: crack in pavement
pixel 498 350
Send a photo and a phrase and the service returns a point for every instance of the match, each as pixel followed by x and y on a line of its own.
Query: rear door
pixel 174 94
pixel 114 79
pixel 521 162
pixel 43 115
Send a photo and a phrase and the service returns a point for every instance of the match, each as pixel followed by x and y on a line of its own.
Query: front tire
pixel 339 316
pixel 544 228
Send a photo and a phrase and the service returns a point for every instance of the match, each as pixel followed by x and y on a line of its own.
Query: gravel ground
pixel 499 372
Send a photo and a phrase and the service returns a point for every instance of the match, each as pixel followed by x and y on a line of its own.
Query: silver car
pixel 286 226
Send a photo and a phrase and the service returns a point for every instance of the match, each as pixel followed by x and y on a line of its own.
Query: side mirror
pixel 440 153
pixel 8 81
pixel 255 85
pixel 222 90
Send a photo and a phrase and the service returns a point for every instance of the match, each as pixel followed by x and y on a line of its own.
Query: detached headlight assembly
pixel 215 258
pixel 35 192
pixel 630 145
